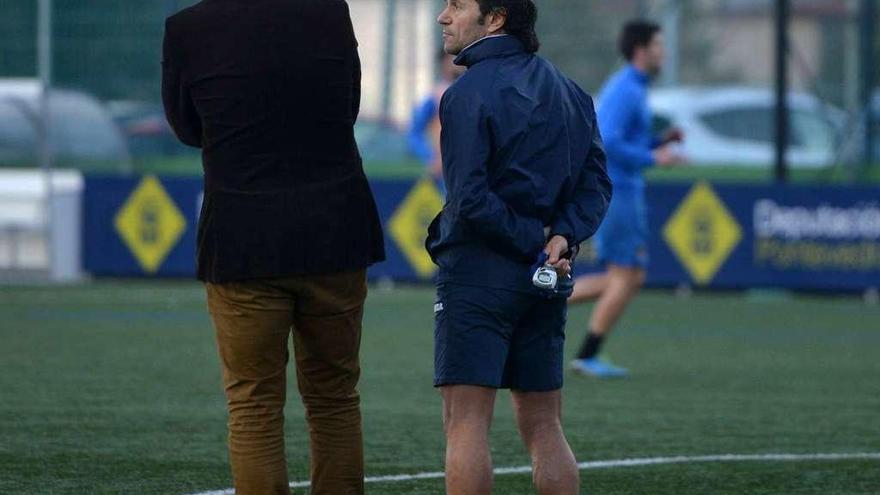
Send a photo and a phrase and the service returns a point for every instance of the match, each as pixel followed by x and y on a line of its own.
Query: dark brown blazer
pixel 270 91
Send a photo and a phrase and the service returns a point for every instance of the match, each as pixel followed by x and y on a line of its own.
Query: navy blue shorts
pixel 498 338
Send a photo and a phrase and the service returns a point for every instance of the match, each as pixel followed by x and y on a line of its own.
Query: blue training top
pixel 419 144
pixel 521 151
pixel 625 122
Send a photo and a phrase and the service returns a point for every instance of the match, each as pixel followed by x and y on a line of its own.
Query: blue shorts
pixel 498 338
pixel 622 239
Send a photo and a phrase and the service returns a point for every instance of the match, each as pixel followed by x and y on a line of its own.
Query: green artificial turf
pixel 114 387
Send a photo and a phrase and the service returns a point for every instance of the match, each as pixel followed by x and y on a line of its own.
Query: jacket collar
pixel 496 46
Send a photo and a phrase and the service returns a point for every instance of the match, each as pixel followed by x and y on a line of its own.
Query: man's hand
pixel 664 156
pixel 673 135
pixel 555 248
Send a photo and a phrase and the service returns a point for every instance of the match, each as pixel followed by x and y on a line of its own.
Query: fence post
pixel 782 15
pixel 868 76
pixel 388 57
pixel 672 34
pixel 44 72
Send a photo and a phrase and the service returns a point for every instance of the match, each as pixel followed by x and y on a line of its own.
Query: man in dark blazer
pixel 270 90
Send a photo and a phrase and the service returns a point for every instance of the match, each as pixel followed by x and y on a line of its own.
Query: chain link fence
pixel 106 117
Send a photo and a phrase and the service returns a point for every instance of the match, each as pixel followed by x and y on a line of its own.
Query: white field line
pixel 615 463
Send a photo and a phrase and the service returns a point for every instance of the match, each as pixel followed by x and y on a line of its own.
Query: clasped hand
pixel 555 248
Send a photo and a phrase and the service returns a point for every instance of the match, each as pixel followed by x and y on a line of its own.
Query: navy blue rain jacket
pixel 521 152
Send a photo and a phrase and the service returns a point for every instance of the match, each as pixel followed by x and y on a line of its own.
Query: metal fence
pixel 111 49
pixel 718 79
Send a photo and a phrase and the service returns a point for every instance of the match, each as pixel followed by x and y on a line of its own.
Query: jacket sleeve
pixel 618 111
pixel 580 215
pixel 179 108
pixel 465 144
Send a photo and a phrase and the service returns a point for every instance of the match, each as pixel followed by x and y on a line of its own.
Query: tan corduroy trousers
pixel 253 321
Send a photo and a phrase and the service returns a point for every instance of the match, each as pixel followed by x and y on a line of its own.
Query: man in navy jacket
pixel 525 172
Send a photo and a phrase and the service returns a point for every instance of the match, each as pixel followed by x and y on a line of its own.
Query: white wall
pixel 23 239
pixel 413 58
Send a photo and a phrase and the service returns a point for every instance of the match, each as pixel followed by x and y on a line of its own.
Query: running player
pixel 631 147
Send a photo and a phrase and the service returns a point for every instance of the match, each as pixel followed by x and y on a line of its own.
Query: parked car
pixel 737 126
pixel 83 136
pixel 149 135
pixel 146 130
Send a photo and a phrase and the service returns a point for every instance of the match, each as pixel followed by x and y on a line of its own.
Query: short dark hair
pixel 522 15
pixel 636 34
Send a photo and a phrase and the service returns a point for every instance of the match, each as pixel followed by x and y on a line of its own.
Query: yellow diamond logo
pixel 150 224
pixel 702 233
pixel 410 223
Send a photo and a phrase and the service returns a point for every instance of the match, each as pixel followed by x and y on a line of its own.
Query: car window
pixel 758 124
pixel 81 129
pixel 17 134
pixel 812 131
pixel 747 124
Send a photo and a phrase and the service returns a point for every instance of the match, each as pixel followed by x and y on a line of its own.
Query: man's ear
pixel 496 20
pixel 638 54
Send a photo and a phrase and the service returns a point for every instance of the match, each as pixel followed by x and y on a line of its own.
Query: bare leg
pixel 623 285
pixel 588 287
pixel 467 417
pixel 539 418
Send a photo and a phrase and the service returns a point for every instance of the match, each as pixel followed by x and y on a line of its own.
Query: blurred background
pixel 103 115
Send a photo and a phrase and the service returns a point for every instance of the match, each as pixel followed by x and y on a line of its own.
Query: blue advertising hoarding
pixel 719 236
pixel 741 236
pixel 140 227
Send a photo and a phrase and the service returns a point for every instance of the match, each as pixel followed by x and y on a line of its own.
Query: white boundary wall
pixel 24 236
pixel 415 48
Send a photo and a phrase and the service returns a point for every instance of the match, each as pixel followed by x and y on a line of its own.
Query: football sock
pixel 591 346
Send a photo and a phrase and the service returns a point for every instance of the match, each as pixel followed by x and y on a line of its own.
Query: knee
pixel 470 423
pixel 255 403
pixel 638 280
pixel 631 280
pixel 467 409
pixel 535 419
pixel 533 426
pixel 329 404
pixel 255 420
pixel 465 424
